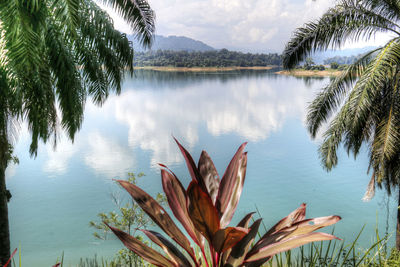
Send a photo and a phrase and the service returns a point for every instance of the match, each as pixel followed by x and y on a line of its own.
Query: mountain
pixel 174 43
pixel 319 57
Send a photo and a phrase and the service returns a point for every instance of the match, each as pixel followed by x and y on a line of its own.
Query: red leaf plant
pixel 205 209
pixel 9 260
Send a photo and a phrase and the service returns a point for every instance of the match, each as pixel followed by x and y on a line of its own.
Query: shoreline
pixel 310 73
pixel 202 69
pixel 295 72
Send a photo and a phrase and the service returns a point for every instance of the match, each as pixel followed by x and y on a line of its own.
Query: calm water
pixel 58 193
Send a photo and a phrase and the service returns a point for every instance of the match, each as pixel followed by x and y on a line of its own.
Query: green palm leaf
pixel 139 16
pixel 53 54
pixel 349 20
pixel 330 97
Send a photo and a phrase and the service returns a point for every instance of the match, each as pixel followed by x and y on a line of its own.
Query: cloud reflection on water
pixel 251 108
pixel 57 159
pixel 154 105
pixel 107 157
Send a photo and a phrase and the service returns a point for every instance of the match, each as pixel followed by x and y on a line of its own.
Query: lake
pixel 58 193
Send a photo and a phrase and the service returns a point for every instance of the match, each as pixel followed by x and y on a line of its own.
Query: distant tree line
pixel 341 60
pixel 310 65
pixel 216 58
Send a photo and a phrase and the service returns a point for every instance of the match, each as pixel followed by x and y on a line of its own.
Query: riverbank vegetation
pixel 202 69
pixel 217 58
pixel 337 253
pixel 225 60
pixel 302 72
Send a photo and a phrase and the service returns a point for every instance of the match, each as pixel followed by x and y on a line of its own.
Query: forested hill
pixel 173 43
pixel 215 58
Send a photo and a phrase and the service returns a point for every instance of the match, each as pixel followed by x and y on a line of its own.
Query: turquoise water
pixel 58 193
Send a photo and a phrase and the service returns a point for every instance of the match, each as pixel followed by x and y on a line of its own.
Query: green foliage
pixel 125 257
pixel 95 263
pixel 315 67
pixel 53 55
pixel 342 59
pixel 365 98
pixel 128 217
pixel 336 253
pixel 348 20
pixel 59 52
pixel 394 259
pixel 334 65
pixel 318 254
pixel 215 58
pixel 309 63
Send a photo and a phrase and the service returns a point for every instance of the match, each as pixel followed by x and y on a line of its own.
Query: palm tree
pixel 363 103
pixel 53 55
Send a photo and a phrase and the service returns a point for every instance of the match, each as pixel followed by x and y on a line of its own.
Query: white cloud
pixel 256 25
pixel 252 25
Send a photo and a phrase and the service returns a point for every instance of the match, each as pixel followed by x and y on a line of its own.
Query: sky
pixel 243 25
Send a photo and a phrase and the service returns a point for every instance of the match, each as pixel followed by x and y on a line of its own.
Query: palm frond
pixel 332 138
pixel 387 135
pixel 348 20
pixel 60 51
pixel 104 53
pixel 66 12
pixel 39 107
pixel 23 25
pixel 389 9
pixel 374 78
pixel 71 94
pixel 139 15
pixel 330 97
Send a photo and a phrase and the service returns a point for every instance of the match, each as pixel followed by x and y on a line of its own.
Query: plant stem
pixel 204 256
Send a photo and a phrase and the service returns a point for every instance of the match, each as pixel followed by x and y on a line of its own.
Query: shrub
pixel 334 65
pixel 205 209
pixel 128 217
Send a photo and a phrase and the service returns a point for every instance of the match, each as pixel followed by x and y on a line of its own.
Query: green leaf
pixel 139 16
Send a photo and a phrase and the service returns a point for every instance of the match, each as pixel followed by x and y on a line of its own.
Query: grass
pixel 336 253
pixel 333 253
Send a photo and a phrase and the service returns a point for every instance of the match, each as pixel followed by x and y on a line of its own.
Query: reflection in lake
pixel 227 103
pixel 57 194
